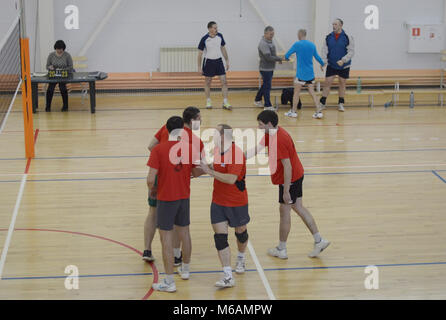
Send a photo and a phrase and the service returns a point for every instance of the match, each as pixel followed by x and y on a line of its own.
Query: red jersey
pixel 282 147
pixel 174 170
pixel 163 135
pixel 232 161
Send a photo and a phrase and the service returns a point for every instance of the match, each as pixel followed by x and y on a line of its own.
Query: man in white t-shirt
pixel 213 46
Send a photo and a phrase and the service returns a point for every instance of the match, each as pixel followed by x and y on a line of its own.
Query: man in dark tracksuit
pixel 338 50
pixel 267 63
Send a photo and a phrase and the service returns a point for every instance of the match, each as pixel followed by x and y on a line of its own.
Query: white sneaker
pixel 341 107
pixel 240 266
pixel 318 248
pixel 164 286
pixel 208 105
pixel 258 103
pixel 318 115
pixel 225 282
pixel 270 108
pixel 275 252
pixel 291 114
pixel 183 274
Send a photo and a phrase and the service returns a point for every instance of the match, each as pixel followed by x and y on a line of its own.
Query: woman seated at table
pixel 59 59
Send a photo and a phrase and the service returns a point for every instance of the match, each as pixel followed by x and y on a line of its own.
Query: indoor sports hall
pixel 73 190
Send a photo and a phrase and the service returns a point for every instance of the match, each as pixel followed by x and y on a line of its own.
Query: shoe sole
pixel 170 290
pixel 314 256
pixel 274 256
pixel 149 259
pixel 227 286
pixel 226 108
pixel 239 272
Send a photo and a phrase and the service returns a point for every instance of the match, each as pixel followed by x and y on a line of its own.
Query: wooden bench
pixel 416 92
pixel 370 93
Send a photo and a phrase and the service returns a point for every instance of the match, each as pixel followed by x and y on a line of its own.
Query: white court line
pixel 300 141
pixel 359 140
pixel 12 224
pixel 259 268
pixel 320 140
pixel 339 140
pixel 396 139
pixel 415 139
pixel 377 140
pixel 434 138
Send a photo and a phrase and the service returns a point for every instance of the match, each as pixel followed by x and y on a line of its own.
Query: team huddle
pixel 177 155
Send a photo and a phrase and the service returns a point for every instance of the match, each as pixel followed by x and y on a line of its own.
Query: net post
pixel 26 99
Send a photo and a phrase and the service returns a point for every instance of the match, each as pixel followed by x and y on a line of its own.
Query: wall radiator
pixel 178 59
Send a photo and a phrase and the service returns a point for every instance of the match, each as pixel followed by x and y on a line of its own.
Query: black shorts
pixel 303 82
pixel 343 73
pixel 213 67
pixel 295 190
pixel 169 213
pixel 236 216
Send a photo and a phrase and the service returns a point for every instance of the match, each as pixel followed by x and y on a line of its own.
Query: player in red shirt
pixel 192 121
pixel 171 161
pixel 229 201
pixel 287 172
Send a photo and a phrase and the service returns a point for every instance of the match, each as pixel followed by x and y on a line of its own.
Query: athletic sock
pixel 282 245
pixel 317 237
pixel 323 100
pixel 169 279
pixel 241 255
pixel 225 101
pixel 227 271
pixel 177 252
pixel 185 267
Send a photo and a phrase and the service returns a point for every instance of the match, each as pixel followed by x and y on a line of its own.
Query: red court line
pixel 152 265
pixel 28 163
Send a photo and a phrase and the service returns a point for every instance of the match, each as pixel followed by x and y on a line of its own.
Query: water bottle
pixel 411 100
pixel 358 85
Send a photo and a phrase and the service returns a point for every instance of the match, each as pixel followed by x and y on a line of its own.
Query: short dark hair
pixel 173 123
pixel 268 116
pixel 60 45
pixel 190 113
pixel 211 23
pixel 340 20
pixel 268 28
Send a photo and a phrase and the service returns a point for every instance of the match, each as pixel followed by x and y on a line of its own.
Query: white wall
pixel 386 48
pixel 131 40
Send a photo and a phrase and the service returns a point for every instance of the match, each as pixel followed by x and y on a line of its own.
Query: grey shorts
pixel 236 216
pixel 169 213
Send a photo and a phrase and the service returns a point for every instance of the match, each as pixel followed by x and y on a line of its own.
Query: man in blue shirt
pixel 338 50
pixel 305 51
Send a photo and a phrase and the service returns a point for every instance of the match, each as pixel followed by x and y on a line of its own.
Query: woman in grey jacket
pixel 58 59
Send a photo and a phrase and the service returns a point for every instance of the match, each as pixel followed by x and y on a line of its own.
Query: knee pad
pixel 242 237
pixel 221 241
